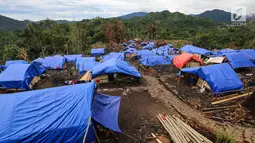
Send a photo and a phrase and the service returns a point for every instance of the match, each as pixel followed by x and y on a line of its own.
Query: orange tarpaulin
pixel 180 60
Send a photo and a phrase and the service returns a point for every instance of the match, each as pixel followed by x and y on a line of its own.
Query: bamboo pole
pixel 232 98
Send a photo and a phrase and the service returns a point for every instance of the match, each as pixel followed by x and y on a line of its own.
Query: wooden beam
pixel 232 98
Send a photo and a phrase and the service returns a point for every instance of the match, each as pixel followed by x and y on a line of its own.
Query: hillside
pixel 132 15
pixel 216 15
pixel 9 24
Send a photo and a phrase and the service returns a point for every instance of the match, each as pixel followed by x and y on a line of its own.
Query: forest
pixel 47 37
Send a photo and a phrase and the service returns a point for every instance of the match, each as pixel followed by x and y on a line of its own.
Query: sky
pixel 36 10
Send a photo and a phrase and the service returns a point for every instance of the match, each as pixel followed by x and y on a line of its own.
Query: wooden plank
pixel 232 98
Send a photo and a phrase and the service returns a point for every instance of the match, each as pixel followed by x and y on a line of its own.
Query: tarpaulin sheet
pixel 38 61
pixel 250 53
pixel 143 43
pixel 115 66
pixel 195 50
pixel 149 46
pixel 19 75
pixel 131 51
pixel 162 50
pixel 223 51
pixel 55 62
pixel 113 55
pixel 220 77
pixel 87 65
pixel 7 63
pixel 81 60
pixel 49 115
pixel 105 110
pixel 97 51
pixel 155 60
pixel 145 53
pixel 180 60
pixel 72 58
pixel 239 60
pixel 131 41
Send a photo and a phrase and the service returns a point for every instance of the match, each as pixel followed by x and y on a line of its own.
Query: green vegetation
pixel 49 37
pixel 224 138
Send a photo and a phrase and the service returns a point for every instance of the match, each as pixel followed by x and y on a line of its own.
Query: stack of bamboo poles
pixel 181 132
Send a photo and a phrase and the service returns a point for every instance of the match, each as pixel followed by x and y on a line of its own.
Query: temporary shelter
pixel 155 60
pixel 149 46
pixel 162 50
pixel 239 60
pixel 61 114
pixel 195 50
pixel 224 51
pixel 187 59
pixel 72 58
pixel 87 65
pixel 38 61
pixel 97 51
pixel 81 60
pixel 7 63
pixel 55 62
pixel 115 66
pixel 19 76
pixel 113 55
pixel 145 53
pixel 220 77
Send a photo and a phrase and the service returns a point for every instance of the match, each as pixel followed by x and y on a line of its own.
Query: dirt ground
pixel 137 116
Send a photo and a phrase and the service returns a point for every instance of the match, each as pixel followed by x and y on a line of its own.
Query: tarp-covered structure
pixel 59 114
pixel 86 66
pixel 220 77
pixel 19 76
pixel 162 50
pixel 250 53
pixel 54 62
pixel 149 46
pixel 38 61
pixel 155 60
pixel 180 60
pixel 72 58
pixel 145 53
pixel 239 60
pixel 7 63
pixel 224 51
pixel 81 60
pixel 113 55
pixel 115 66
pixel 97 51
pixel 130 51
pixel 195 50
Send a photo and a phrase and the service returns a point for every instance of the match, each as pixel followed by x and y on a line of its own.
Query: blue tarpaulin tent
pixel 97 51
pixel 144 43
pixel 162 50
pixel 195 50
pixel 250 53
pixel 149 46
pixel 50 115
pixel 113 55
pixel 239 60
pixel 106 107
pixel 131 41
pixel 115 66
pixel 81 60
pixel 55 62
pixel 38 61
pixel 220 77
pixel 131 51
pixel 155 60
pixel 224 51
pixel 19 76
pixel 87 65
pixel 7 63
pixel 72 58
pixel 145 53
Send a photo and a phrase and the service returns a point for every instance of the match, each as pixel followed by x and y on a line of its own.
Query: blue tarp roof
pixel 19 75
pixel 239 60
pixel 145 53
pixel 97 51
pixel 195 50
pixel 131 51
pixel 50 115
pixel 81 60
pixel 131 41
pixel 87 65
pixel 105 110
pixel 38 61
pixel 250 53
pixel 220 77
pixel 113 55
pixel 115 66
pixel 223 51
pixel 162 50
pixel 144 43
pixel 55 62
pixel 155 60
pixel 7 63
pixel 72 58
pixel 149 46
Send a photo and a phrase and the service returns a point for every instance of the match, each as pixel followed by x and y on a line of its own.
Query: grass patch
pixel 222 137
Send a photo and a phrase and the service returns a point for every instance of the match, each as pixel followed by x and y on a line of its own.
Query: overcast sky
pixel 83 9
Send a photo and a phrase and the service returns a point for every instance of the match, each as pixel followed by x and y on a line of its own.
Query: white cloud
pixel 81 9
